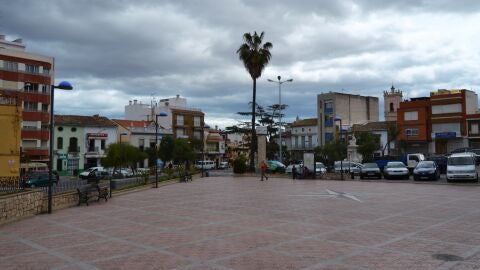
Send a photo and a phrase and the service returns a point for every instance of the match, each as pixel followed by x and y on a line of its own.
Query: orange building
pixel 30 75
pixel 413 121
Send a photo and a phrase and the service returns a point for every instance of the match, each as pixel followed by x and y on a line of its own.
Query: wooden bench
pixel 85 193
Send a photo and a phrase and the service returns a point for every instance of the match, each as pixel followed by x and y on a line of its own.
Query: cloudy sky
pixel 116 51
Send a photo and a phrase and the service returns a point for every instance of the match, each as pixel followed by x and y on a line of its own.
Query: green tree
pixel 367 143
pixel 122 155
pixel 272 149
pixel 167 145
pixel 255 57
pixel 392 133
pixel 183 151
pixel 331 152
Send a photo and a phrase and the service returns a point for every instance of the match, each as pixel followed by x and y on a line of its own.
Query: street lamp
pixel 203 144
pixel 280 109
pixel 122 134
pixel 161 114
pixel 339 119
pixel 64 85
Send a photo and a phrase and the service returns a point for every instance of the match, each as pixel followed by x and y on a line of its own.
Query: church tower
pixel 391 100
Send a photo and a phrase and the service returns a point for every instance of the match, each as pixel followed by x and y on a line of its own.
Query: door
pixel 440 146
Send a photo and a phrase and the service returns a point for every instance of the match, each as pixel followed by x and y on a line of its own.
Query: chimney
pixel 178 96
pixel 134 102
pixel 18 40
pixel 129 102
pixel 216 127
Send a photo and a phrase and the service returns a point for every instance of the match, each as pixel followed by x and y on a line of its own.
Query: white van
pixel 205 164
pixel 86 173
pixel 347 167
pixel 413 160
pixel 461 166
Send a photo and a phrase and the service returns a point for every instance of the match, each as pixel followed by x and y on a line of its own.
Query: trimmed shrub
pixel 239 165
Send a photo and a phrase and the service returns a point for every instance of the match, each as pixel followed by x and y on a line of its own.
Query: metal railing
pixel 65 185
pixel 11 185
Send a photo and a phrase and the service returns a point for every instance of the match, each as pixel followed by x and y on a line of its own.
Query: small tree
pixel 239 165
pixel 183 152
pixel 122 155
pixel 167 145
pixel 367 143
pixel 331 152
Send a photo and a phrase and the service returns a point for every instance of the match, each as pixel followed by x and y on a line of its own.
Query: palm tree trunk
pixel 253 140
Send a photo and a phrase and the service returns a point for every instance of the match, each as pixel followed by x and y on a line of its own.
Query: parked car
pixel 426 170
pixel 86 173
pixel 441 161
pixel 395 169
pixel 223 165
pixel 205 164
pixel 347 167
pixel 39 179
pixel 413 160
pixel 122 173
pixel 370 170
pixel 275 166
pixel 461 166
pixel 320 168
pixel 289 168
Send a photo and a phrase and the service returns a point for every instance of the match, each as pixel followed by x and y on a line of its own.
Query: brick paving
pixel 222 223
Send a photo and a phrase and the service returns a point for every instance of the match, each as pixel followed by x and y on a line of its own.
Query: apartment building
pixel 80 141
pixel 303 135
pixel 29 75
pixel 449 118
pixel 414 124
pixel 184 121
pixel 352 109
pixel 10 121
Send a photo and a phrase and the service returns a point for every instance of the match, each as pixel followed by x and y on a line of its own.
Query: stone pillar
pixel 261 146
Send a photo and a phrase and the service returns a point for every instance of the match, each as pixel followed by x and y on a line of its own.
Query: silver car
pixel 396 169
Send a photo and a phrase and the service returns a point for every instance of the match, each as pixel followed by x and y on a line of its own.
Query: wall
pixel 32 202
pixel 10 117
pixel 66 134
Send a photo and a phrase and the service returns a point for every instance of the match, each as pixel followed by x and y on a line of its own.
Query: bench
pixel 185 177
pixel 85 193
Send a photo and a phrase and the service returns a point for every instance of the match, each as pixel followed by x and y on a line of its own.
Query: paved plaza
pixel 243 223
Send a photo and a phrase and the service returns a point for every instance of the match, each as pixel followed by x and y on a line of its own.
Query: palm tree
pixel 255 58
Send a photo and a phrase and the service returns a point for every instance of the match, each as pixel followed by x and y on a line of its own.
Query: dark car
pixel 39 179
pixel 441 161
pixel 370 170
pixel 275 166
pixel 426 170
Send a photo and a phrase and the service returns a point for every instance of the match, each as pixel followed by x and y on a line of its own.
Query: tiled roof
pixel 132 123
pixel 84 121
pixel 372 126
pixel 305 122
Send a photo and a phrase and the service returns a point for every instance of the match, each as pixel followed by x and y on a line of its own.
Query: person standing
pixel 263 167
pixel 294 172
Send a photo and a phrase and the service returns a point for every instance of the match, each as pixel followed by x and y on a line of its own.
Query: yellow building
pixel 10 135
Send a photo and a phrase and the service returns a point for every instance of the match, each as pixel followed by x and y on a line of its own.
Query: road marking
pixel 332 194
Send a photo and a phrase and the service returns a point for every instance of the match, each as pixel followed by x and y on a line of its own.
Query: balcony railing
pixel 73 149
pixel 93 149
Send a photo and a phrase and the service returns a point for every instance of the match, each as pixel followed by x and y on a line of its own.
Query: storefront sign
pixel 97 135
pixel 445 135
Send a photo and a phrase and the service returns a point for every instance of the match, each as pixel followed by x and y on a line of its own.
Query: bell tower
pixel 391 100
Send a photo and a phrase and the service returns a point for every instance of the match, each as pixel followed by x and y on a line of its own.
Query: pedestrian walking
pixel 294 172
pixel 263 167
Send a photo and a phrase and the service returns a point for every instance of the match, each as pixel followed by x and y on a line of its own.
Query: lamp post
pixel 339 119
pixel 203 144
pixel 122 134
pixel 280 82
pixel 64 85
pixel 161 114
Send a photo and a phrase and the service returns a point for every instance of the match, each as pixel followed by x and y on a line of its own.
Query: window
pixel 30 106
pixel 328 136
pixel 474 128
pixel 197 135
pixel 8 65
pixel 73 145
pixel 448 108
pixel 31 68
pixel 102 144
pixel 196 121
pixel 141 144
pixel 446 127
pixel 180 133
pixel 310 141
pixel 59 143
pixel 391 107
pixel 296 141
pixel 60 128
pixel 45 89
pixel 30 88
pixel 411 132
pixel 46 70
pixel 410 116
pixel 180 120
pixel 73 129
pixel 303 141
pixel 44 107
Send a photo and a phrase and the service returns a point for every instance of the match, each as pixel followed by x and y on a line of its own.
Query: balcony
pixel 35 134
pixel 93 150
pixel 36 151
pixel 73 149
pixel 36 97
pixel 36 116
